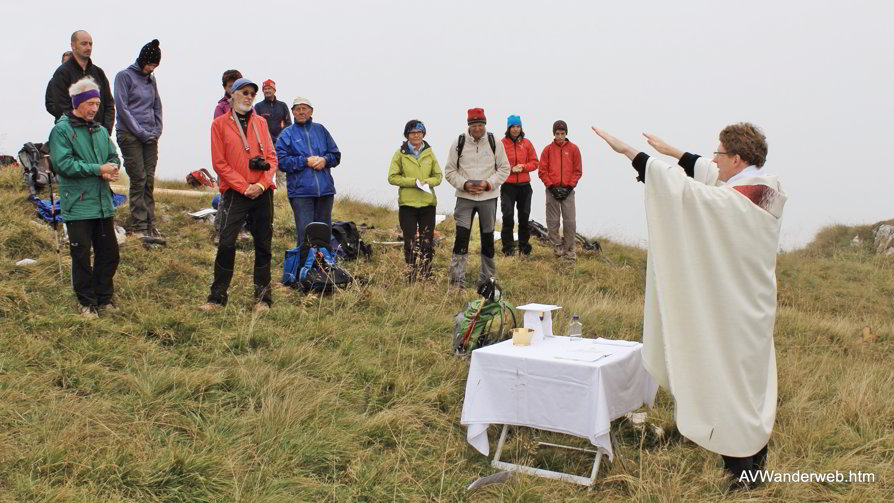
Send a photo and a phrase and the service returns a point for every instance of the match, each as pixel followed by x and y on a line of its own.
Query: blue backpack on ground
pixel 313 267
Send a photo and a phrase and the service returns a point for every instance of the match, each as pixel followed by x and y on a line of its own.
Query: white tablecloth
pixel 536 386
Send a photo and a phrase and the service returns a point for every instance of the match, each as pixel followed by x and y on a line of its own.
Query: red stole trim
pixel 760 195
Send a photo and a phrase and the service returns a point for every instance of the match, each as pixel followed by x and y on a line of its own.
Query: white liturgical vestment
pixel 710 303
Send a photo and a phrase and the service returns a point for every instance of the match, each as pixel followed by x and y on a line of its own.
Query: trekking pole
pixel 55 228
pixel 472 324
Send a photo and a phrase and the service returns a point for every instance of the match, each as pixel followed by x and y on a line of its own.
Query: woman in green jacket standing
pixel 86 161
pixel 415 169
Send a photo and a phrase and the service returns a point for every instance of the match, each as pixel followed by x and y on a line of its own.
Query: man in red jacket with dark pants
pixel 516 191
pixel 243 155
pixel 560 170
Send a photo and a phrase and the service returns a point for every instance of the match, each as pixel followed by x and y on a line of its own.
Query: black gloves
pixel 560 192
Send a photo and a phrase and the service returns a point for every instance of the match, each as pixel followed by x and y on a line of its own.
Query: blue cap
pixel 513 120
pixel 239 84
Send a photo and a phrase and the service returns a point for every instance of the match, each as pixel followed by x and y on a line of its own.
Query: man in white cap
pixel 307 153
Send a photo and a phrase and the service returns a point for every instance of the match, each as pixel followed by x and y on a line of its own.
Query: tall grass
pixel 355 397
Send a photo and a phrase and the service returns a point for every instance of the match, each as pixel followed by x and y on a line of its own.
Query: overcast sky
pixel 816 76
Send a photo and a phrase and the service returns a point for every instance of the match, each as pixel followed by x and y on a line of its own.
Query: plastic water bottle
pixel 575 328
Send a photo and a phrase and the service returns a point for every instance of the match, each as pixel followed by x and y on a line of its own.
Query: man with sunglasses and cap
pixel 244 157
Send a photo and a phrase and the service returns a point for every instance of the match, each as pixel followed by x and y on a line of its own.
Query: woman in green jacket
pixel 415 169
pixel 86 161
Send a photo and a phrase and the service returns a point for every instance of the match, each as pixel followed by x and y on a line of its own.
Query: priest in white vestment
pixel 710 301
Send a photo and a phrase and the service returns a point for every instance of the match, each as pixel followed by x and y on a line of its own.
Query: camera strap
pixel 242 135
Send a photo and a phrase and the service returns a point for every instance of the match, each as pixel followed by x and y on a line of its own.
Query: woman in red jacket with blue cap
pixel 517 191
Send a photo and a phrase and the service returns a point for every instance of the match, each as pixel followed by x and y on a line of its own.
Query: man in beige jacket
pixel 477 165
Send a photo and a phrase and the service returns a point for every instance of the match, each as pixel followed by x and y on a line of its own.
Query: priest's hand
pixel 662 147
pixel 616 144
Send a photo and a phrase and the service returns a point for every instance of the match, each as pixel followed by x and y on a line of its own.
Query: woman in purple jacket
pixel 138 127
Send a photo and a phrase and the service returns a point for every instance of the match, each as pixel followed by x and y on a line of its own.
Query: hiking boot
pixel 262 307
pixel 154 232
pixel 508 252
pixel 210 307
pixel 458 270
pixel 110 307
pixel 88 312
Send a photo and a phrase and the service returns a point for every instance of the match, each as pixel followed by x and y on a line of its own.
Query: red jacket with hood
pixel 520 152
pixel 560 164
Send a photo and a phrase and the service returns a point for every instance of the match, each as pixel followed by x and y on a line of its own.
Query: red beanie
pixel 269 82
pixel 476 116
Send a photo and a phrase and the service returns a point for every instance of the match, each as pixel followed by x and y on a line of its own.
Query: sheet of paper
pixel 582 355
pixel 615 342
pixel 202 213
pixel 424 186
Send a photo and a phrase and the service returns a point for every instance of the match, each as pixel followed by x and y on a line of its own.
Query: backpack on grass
pixel 346 242
pixel 539 231
pixel 313 267
pixel 37 170
pixel 483 321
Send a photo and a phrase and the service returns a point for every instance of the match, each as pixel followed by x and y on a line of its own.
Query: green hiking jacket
pixel 406 169
pixel 78 148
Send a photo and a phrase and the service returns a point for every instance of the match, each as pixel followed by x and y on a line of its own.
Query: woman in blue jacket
pixel 307 153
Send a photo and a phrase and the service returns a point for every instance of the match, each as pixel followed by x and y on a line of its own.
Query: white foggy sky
pixel 816 76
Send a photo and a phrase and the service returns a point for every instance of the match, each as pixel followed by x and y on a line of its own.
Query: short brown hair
pixel 747 141
pixel 230 76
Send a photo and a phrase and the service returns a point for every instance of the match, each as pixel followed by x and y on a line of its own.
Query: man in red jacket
pixel 560 170
pixel 243 156
pixel 517 190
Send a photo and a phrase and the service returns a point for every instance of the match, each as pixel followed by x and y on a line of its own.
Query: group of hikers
pixel 713 225
pixel 482 169
pixel 251 142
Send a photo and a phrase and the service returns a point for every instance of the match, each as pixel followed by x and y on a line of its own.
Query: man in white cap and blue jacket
pixel 307 153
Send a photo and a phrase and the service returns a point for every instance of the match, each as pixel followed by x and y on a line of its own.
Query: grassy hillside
pixel 356 397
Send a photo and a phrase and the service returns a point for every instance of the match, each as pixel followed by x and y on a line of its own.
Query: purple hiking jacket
pixel 138 107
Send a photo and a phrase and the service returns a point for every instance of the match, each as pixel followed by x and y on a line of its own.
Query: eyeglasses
pixel 724 153
pixel 415 132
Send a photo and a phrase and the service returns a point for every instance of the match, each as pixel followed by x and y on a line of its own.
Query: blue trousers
pixel 311 209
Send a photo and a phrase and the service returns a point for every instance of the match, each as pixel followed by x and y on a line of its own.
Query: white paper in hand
pixel 424 186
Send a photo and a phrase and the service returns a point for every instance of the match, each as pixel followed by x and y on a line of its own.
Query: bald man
pixel 77 67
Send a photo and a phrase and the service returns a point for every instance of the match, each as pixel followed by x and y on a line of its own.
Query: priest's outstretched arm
pixel 639 158
pixel 686 160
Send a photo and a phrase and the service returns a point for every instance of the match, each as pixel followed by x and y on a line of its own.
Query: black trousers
pixel 93 286
pixel 235 210
pixel 736 466
pixel 512 195
pixel 422 221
